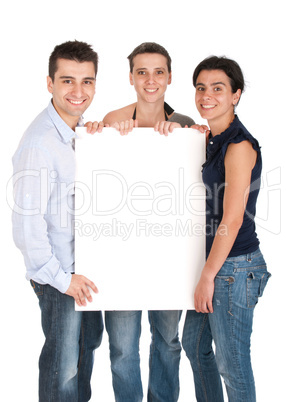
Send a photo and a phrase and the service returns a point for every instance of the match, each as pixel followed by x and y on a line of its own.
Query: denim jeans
pixel 197 343
pixel 124 330
pixel 238 285
pixel 71 337
pixel 165 354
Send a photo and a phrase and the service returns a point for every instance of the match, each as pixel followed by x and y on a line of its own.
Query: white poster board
pixel 140 217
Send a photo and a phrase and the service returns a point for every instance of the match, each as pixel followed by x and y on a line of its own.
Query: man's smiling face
pixel 73 89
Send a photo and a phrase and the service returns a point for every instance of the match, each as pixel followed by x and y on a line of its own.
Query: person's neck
pixel 73 124
pixel 148 114
pixel 71 121
pixel 218 127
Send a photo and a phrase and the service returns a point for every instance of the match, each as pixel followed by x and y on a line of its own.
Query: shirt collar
pixel 217 141
pixel 64 130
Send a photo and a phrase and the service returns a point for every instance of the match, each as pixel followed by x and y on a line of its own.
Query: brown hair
pixel 72 50
pixel 149 47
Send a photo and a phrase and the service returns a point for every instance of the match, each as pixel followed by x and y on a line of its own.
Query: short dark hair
pixel 72 50
pixel 149 47
pixel 230 67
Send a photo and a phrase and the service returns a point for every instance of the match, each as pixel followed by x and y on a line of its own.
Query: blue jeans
pixel 165 354
pixel 238 285
pixel 71 337
pixel 124 329
pixel 197 343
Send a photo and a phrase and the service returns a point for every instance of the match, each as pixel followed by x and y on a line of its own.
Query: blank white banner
pixel 140 217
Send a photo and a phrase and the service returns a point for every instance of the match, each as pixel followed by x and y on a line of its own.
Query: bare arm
pixel 239 162
pixel 118 115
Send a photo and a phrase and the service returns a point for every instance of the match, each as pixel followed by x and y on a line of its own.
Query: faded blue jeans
pixel 238 286
pixel 124 330
pixel 197 343
pixel 71 337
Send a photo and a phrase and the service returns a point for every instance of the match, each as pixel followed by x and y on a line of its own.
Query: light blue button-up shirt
pixel 44 174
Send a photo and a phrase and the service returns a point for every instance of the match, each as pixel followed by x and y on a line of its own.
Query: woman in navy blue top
pixel 235 273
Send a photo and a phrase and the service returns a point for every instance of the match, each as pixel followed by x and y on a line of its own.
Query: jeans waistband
pixel 246 257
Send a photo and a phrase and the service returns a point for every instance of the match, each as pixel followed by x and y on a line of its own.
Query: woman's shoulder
pixel 124 113
pixel 238 134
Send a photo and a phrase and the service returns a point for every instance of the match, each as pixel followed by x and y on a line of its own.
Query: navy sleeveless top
pixel 214 180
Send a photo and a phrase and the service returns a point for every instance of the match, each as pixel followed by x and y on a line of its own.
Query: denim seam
pixel 235 354
pixel 82 349
pixel 249 305
pixel 232 322
pixel 152 347
pixel 56 371
pixel 197 355
pixel 256 268
pixel 230 296
pixel 245 257
pixel 234 350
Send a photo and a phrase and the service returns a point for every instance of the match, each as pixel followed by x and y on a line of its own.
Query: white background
pixel 251 32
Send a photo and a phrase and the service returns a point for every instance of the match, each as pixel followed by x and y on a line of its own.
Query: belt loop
pixel 248 257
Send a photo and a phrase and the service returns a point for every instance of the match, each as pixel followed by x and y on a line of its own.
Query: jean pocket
pixel 256 283
pixel 223 291
pixel 223 282
pixel 38 288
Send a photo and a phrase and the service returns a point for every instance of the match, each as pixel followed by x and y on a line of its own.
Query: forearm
pixel 221 247
pixel 222 244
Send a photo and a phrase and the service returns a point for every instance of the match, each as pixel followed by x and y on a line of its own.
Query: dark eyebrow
pixel 144 68
pixel 213 84
pixel 218 83
pixel 66 77
pixel 72 78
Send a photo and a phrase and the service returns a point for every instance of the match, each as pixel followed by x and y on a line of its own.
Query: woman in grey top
pixel 150 73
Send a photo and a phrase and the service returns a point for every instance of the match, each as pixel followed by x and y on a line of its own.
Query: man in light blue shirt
pixel 44 174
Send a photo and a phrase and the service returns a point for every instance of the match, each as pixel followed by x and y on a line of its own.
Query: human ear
pixel 131 78
pixel 170 78
pixel 236 97
pixel 50 84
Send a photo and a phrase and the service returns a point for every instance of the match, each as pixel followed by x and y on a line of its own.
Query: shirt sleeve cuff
pixel 52 274
pixel 62 281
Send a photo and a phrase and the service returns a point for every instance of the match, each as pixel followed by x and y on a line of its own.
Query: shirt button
pixel 211 142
